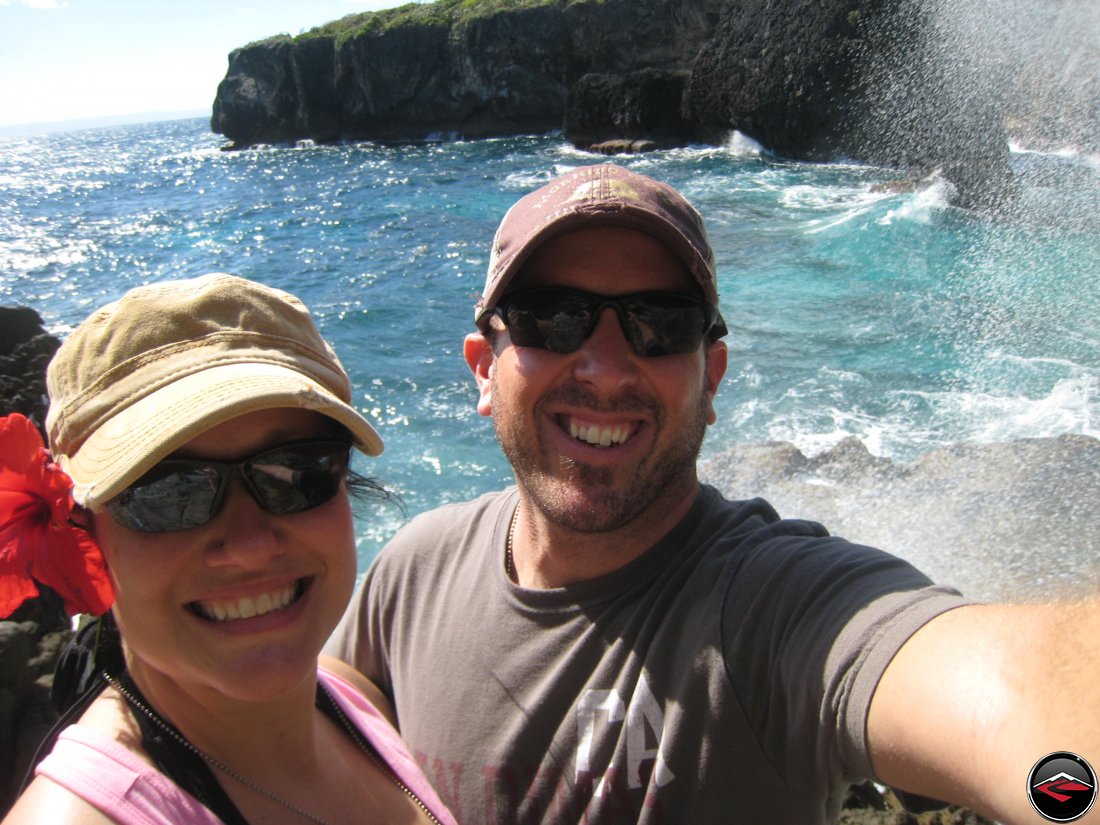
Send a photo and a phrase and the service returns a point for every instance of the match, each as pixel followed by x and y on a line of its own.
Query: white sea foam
pixel 741 145
pixel 908 422
pixel 922 204
pixel 1067 150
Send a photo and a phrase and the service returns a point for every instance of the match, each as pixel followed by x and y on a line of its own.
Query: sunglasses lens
pixel 169 497
pixel 559 320
pixel 554 320
pixel 666 325
pixel 179 495
pixel 297 478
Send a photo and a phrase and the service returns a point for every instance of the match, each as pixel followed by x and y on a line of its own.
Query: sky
pixel 64 60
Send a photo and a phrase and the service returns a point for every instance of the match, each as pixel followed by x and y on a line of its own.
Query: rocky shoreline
pixel 1001 522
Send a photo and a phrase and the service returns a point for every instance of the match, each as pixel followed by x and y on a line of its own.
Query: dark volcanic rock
pixel 25 350
pixel 478 78
pixel 30 638
pixel 622 36
pixel 797 77
pixel 640 106
pixel 30 645
pixel 443 71
pixel 931 93
pixel 872 80
pixel 779 72
pixel 623 147
pixel 925 86
pixel 261 94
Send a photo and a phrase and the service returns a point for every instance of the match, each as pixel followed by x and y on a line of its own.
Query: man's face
pixel 600 436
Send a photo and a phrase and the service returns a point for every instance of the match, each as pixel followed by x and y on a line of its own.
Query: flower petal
pixel 69 561
pixel 22 449
pixel 36 539
pixel 16 585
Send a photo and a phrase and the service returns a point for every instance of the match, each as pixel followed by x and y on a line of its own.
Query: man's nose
pixel 606 358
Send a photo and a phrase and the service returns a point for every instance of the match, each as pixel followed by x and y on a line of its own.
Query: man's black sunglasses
pixel 655 323
pixel 178 494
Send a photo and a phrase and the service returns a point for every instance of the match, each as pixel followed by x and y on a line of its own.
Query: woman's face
pixel 240 605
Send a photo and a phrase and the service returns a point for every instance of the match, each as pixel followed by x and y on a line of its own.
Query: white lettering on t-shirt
pixel 644 717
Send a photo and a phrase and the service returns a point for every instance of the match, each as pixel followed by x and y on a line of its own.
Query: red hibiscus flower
pixel 37 541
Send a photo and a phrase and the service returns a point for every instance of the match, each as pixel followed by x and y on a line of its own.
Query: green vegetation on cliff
pixel 440 13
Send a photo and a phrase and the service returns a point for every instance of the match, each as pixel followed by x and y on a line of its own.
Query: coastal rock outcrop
pixel 641 110
pixel 868 80
pixel 448 68
pixel 30 639
pixel 926 87
pixel 1026 508
pixel 25 350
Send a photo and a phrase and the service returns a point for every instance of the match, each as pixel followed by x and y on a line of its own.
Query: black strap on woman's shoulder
pixel 96 649
pixel 180 764
pixel 76 681
pixel 73 712
pixel 186 768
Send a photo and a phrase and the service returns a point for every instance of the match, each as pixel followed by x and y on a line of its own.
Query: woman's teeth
pixel 599 436
pixel 247 607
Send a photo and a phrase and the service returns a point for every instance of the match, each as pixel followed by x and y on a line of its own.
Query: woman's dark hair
pixel 362 487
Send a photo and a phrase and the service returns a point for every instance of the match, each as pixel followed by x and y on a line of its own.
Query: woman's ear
pixel 478 351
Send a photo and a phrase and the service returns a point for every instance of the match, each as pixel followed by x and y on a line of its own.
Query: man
pixel 612 642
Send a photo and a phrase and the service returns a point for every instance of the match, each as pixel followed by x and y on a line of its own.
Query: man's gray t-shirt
pixel 723 676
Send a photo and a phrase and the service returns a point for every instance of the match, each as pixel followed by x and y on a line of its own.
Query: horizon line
pixel 30 129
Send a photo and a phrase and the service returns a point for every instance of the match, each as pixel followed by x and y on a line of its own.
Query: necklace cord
pixel 356 736
pixel 509 558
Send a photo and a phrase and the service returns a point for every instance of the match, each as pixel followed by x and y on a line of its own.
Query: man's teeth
pixel 247 607
pixel 599 436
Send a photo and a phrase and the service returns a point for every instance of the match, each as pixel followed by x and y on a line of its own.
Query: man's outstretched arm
pixel 980 694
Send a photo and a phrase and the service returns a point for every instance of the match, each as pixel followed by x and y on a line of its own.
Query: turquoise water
pixel 852 311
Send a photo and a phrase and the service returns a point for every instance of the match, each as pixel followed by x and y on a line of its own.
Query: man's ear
pixel 715 367
pixel 478 351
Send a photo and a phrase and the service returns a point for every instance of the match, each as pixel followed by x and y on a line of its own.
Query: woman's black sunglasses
pixel 655 323
pixel 178 494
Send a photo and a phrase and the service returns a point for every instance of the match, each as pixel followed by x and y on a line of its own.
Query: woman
pixel 206 429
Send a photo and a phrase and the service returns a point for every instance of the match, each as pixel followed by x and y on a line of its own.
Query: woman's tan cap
pixel 149 372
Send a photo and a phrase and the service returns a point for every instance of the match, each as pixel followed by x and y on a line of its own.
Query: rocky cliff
pixel 922 85
pixel 449 68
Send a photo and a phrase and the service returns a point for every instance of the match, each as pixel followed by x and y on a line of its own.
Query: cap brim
pixel 624 216
pixel 120 451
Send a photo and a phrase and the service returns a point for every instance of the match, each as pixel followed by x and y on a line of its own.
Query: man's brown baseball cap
pixel 596 196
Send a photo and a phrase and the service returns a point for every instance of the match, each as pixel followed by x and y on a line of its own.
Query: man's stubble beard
pixel 588 499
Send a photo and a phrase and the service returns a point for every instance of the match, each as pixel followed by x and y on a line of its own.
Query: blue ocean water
pixel 853 309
